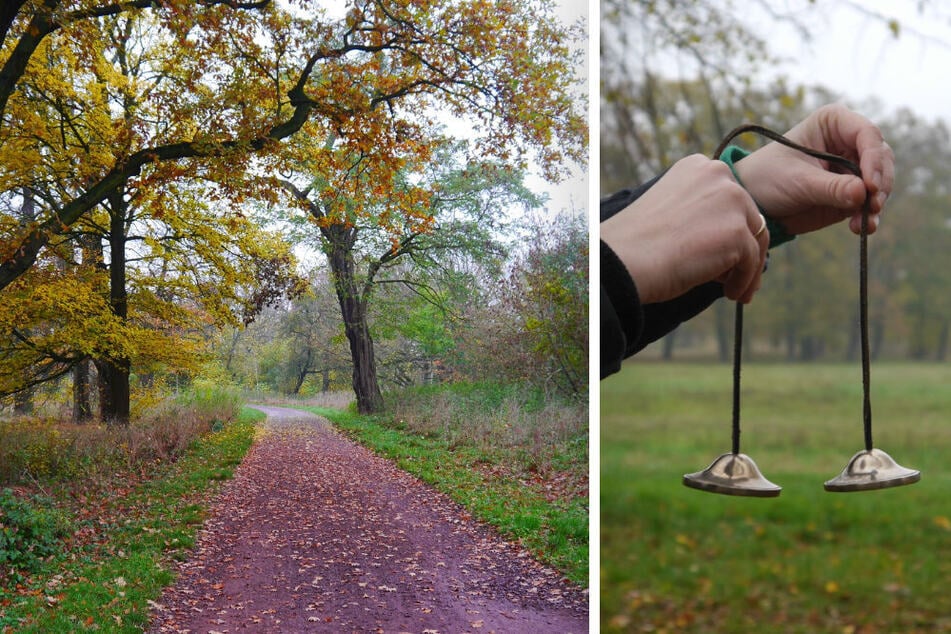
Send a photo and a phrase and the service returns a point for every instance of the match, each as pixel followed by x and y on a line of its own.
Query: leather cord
pixel 863 283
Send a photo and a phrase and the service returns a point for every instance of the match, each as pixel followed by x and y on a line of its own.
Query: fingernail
pixel 880 198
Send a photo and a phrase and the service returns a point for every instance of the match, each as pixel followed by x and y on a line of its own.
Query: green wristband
pixel 777 233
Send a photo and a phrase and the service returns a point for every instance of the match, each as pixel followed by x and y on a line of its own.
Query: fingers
pixel 852 134
pixel 837 129
pixel 695 225
pixel 876 160
pixel 761 228
pixel 742 281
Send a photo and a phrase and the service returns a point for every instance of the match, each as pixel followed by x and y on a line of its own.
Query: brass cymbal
pixel 869 470
pixel 733 474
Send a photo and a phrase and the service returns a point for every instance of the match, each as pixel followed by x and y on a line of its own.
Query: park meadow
pixel 674 559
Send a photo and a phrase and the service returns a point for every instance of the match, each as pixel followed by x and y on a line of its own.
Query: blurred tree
pixel 916 269
pixel 676 76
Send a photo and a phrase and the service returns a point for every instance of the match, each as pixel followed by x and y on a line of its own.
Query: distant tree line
pixel 655 111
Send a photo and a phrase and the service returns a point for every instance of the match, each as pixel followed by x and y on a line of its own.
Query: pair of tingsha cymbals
pixel 737 474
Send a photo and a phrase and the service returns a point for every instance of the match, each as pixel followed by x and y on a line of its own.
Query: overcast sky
pixel 852 50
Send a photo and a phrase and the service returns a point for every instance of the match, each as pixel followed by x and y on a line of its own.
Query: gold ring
pixel 762 227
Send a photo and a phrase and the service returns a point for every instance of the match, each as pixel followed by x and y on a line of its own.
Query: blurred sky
pixel 852 49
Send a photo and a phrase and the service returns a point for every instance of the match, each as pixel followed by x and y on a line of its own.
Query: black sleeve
pixel 627 326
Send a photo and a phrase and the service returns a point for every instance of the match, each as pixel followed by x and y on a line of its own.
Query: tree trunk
pixel 366 386
pixel 232 348
pixel 82 399
pixel 792 340
pixel 114 392
pixel 808 350
pixel 941 351
pixel 114 372
pixel 353 309
pixel 23 400
pixel 668 346
pixel 302 373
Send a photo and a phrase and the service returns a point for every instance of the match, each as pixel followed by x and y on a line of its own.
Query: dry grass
pixel 33 449
pixel 536 433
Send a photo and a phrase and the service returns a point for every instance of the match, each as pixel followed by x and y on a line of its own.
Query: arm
pixel 686 236
pixel 627 326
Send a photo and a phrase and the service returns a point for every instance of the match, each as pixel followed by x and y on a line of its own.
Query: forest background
pixel 676 77
pixel 160 174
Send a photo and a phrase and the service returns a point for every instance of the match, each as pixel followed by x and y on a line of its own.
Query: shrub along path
pixel 316 533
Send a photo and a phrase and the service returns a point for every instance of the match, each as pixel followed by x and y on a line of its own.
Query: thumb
pixel 839 191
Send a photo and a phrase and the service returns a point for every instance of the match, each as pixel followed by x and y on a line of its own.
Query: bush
pixel 535 328
pixel 30 531
pixel 36 448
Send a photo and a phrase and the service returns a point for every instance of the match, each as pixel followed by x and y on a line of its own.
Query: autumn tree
pixel 203 87
pixel 234 78
pixel 163 237
pixel 149 315
pixel 430 211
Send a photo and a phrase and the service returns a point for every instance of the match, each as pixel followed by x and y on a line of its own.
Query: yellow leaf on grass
pixel 684 540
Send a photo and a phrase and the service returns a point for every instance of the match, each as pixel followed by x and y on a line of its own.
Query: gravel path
pixel 316 534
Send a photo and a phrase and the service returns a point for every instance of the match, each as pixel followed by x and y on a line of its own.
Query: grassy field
pixel 674 559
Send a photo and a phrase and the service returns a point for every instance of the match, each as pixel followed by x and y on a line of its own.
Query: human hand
pixel 801 193
pixel 695 225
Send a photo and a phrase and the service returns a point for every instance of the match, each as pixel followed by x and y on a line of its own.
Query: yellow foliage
pixel 201 96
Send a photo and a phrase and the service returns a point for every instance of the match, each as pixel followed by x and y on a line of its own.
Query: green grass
pixel 679 560
pixel 107 585
pixel 556 531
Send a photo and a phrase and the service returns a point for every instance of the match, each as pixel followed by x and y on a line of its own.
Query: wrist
pixel 777 232
pixel 632 256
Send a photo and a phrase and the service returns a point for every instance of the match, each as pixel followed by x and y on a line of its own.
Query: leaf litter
pixel 316 533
